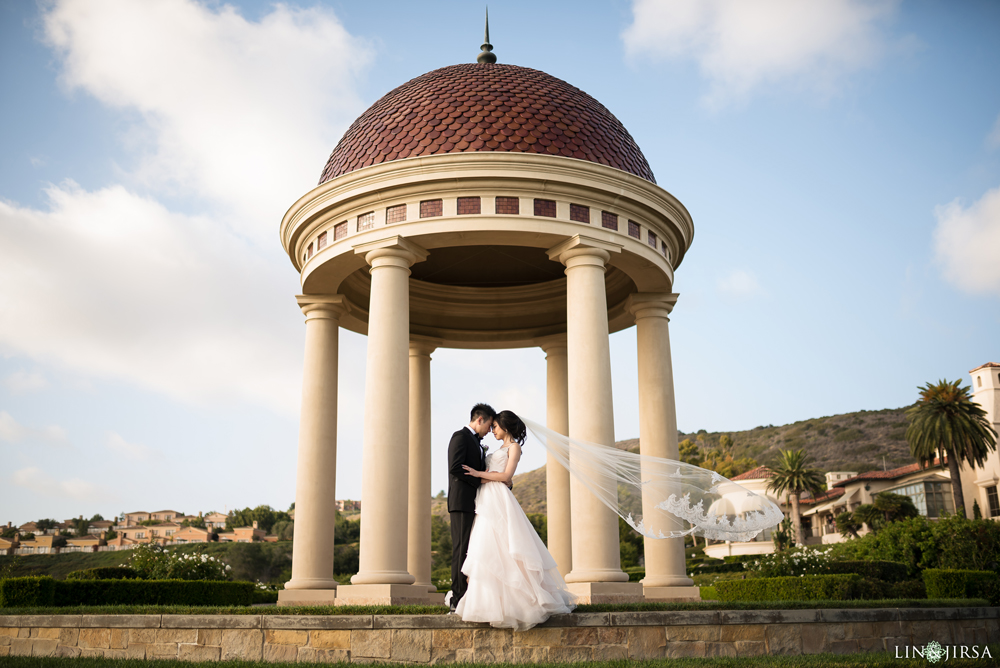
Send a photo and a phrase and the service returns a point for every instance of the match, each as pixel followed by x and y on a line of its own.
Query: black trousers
pixel 461 529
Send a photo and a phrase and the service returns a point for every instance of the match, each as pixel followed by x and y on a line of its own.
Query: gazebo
pixel 480 206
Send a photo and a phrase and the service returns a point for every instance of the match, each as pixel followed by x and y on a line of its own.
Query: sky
pixel 840 159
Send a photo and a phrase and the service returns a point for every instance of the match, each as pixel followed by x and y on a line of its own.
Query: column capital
pixel 395 249
pixel 651 304
pixel 552 344
pixel 423 345
pixel 580 246
pixel 330 307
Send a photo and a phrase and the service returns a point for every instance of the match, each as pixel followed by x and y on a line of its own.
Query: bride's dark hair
pixel 513 425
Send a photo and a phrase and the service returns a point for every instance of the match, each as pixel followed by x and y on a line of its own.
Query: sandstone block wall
pixel 435 639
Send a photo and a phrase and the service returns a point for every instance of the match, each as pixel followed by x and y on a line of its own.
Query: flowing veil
pixel 661 498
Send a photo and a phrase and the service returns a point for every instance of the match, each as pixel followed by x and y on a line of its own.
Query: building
pixel 981 485
pixel 348 506
pixel 468 166
pixel 215 520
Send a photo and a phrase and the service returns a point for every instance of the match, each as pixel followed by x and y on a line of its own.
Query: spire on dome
pixel 486 56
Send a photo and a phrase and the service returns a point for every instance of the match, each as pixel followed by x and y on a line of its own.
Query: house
pixel 348 506
pixel 166 516
pixel 191 534
pixel 131 519
pixel 88 543
pixel 28 527
pixel 215 520
pixel 249 534
pixel 40 544
pixel 8 545
pixel 98 527
pixel 929 488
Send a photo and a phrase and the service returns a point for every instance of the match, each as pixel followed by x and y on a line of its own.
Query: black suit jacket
pixel 464 448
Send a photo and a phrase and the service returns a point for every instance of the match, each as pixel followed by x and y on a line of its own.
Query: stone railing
pixel 432 639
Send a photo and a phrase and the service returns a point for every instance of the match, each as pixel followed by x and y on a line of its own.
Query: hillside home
pixel 167 515
pixel 191 535
pixel 215 520
pixel 243 535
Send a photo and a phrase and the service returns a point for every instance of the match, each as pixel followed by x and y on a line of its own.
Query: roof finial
pixel 486 56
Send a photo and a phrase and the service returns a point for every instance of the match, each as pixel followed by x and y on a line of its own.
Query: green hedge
pixel 636 573
pixel 152 592
pixel 740 558
pixel 261 596
pixel 889 571
pixel 802 588
pixel 36 591
pixel 109 573
pixel 959 583
pixel 719 568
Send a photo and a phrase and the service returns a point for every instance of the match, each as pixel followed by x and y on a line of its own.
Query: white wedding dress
pixel 513 580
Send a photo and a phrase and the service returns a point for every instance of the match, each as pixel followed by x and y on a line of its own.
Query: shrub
pixel 27 592
pixel 794 561
pixel 907 589
pixel 107 573
pixel 961 583
pixel 950 542
pixel 261 596
pixel 801 588
pixel 718 568
pixel 153 562
pixel 635 573
pixel 152 592
pixel 889 571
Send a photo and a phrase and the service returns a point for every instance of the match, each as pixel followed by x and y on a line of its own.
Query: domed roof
pixel 486 107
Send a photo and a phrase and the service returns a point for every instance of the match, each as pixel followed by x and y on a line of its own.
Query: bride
pixel 513 580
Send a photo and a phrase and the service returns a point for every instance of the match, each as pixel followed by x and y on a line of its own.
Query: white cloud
pixel 241 113
pixel 966 241
pixel 134 451
pixel 22 382
pixel 115 285
pixel 993 139
pixel 12 431
pixel 36 480
pixel 739 283
pixel 741 45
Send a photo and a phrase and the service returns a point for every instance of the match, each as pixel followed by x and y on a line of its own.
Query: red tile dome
pixel 486 107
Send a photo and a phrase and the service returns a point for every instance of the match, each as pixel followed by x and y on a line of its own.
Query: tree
pixel 868 514
pixel 264 516
pixel 690 453
pixel 847 524
pixel 46 525
pixel 977 514
pixel 630 547
pixel 97 518
pixel 198 522
pixel 946 422
pixel 80 527
pixel 895 506
pixel 792 475
pixel 8 532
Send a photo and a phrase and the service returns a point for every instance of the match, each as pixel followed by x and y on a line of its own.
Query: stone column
pixel 383 578
pixel 312 580
pixel 556 476
pixel 418 556
pixel 597 576
pixel 666 573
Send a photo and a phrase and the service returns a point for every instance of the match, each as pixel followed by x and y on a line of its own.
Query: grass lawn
pixel 883 660
pixel 441 610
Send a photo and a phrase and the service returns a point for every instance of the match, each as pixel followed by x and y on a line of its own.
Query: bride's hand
pixel 471 471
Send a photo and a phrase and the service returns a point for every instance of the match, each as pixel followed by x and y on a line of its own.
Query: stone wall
pixel 433 639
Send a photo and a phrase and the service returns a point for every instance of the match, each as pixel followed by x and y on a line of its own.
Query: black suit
pixel 464 449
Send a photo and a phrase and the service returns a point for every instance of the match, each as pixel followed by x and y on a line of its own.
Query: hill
pixel 848 442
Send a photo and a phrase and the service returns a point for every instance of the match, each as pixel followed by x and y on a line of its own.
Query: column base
pixel 672 593
pixel 307 597
pixel 383 594
pixel 606 592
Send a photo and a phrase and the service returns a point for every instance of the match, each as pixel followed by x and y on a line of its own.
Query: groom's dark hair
pixel 484 411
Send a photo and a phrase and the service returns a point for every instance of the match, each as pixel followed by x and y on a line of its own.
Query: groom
pixel 465 449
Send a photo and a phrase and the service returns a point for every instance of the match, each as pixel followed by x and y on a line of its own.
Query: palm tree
pixel 792 475
pixel 946 422
pixel 847 524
